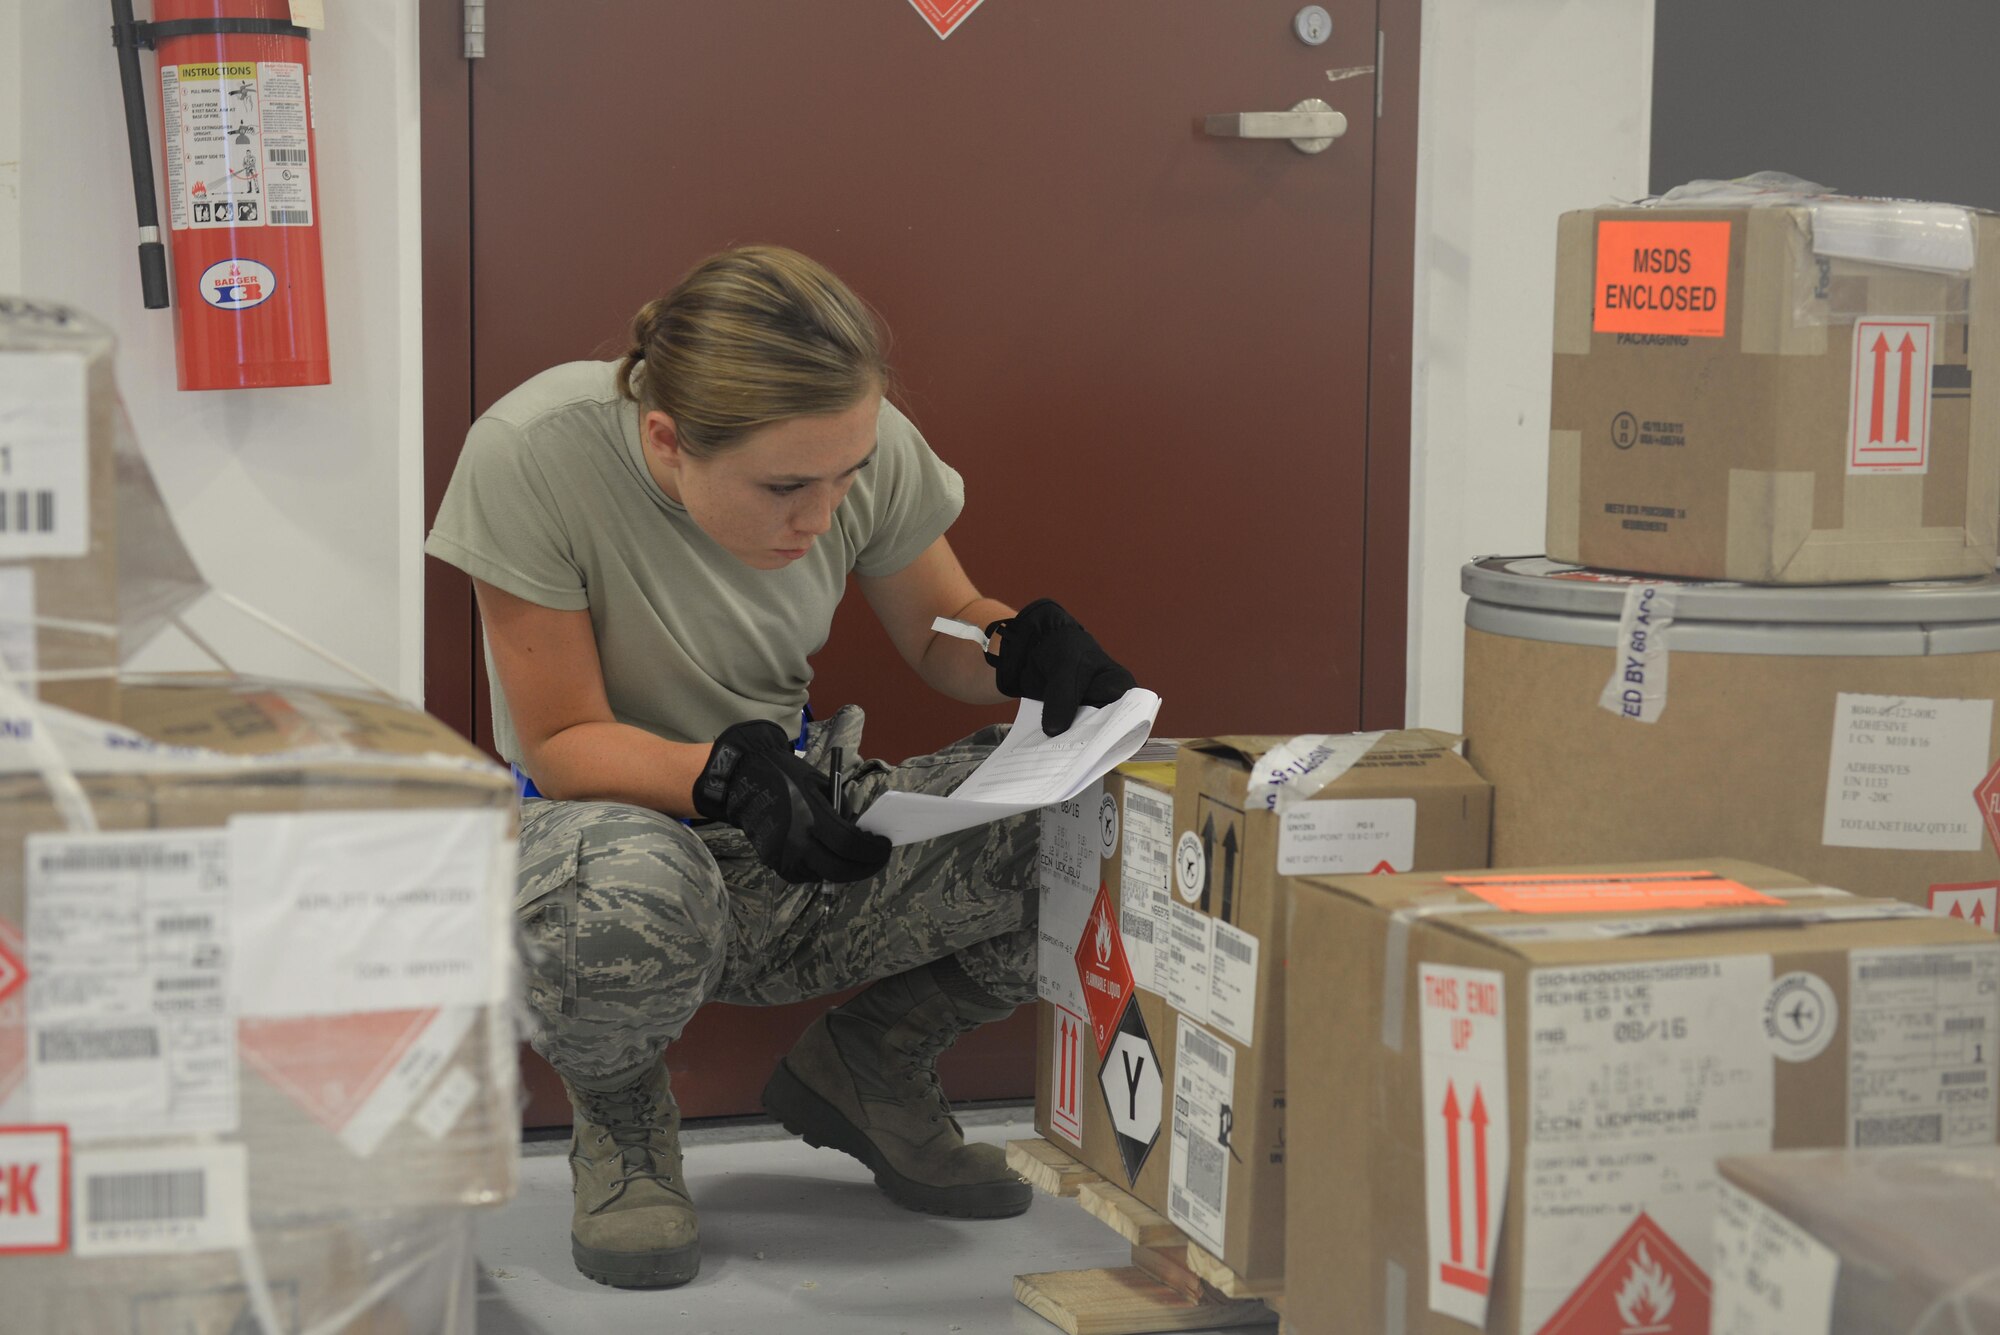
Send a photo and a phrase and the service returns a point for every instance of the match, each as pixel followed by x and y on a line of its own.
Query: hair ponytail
pixel 752 336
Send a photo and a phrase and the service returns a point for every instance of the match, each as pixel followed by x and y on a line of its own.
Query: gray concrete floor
pixel 793 1239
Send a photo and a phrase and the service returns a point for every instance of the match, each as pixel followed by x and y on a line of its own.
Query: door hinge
pixel 472 20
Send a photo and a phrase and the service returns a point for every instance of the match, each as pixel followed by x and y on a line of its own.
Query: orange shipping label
pixel 1662 278
pixel 1609 894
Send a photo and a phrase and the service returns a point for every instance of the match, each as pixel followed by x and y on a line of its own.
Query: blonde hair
pixel 752 336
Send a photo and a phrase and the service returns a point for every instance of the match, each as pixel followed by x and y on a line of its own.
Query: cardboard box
pixel 1858 1242
pixel 1509 1116
pixel 1737 395
pixel 58 502
pixel 1202 927
pixel 316 906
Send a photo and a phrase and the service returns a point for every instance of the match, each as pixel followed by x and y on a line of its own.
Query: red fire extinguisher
pixel 236 125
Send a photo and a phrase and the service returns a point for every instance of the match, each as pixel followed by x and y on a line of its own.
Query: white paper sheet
pixel 1026 771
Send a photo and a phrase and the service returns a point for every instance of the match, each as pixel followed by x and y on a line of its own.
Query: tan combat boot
pixel 863 1080
pixel 634 1225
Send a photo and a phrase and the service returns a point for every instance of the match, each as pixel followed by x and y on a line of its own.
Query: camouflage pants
pixel 633 920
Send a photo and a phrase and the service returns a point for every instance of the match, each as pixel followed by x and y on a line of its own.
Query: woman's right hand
pixel 754 781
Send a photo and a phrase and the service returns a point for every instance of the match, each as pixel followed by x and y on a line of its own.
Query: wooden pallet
pixel 1168 1286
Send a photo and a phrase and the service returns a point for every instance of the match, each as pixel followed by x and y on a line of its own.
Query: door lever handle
pixel 1311 125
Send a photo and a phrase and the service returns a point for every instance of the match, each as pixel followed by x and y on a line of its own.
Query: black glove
pixel 1045 655
pixel 754 782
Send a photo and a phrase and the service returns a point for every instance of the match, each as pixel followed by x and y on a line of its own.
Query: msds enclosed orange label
pixel 1662 278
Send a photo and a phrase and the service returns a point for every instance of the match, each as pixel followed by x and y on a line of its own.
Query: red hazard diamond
pixel 331 1064
pixel 13 973
pixel 944 15
pixel 13 1013
pixel 1645 1285
pixel 1102 968
pixel 1988 793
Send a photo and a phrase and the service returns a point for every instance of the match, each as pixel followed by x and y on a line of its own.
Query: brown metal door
pixel 1146 348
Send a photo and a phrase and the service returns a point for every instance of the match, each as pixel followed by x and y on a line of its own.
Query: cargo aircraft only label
pixel 1662 278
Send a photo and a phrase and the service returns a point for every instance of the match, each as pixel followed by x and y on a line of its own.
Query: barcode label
pixel 128 1198
pixel 1205 1171
pixel 161 1200
pixel 291 218
pixel 1235 949
pixel 1912 1129
pixel 186 922
pixel 1964 1024
pixel 27 512
pixel 98 1045
pixel 105 857
pixel 1136 928
pixel 1951 1078
pixel 282 155
pixel 1923 966
pixel 1199 1044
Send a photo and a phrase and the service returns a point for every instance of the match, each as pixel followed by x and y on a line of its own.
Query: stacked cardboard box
pixel 1522 1080
pixel 1163 928
pixel 257 964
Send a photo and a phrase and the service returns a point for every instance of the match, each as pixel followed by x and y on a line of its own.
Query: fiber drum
pixel 1847 732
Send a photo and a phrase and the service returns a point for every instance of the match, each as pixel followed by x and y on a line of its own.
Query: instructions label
pixel 1186 964
pixel 1198 1168
pixel 44 456
pixel 161 1200
pixel 1903 773
pixel 1920 1032
pixel 1771 1276
pixel 1146 893
pixel 1464 1032
pixel 1640 1077
pixel 238 150
pixel 1347 836
pixel 1662 278
pixel 1068 870
pixel 131 1012
pixel 394 902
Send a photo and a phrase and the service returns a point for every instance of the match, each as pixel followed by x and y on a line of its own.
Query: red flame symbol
pixel 1647 1296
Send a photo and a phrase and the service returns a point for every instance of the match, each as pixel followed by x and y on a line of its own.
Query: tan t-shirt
pixel 552 502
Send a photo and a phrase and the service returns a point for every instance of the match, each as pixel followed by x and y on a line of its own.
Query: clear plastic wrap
pixel 258 967
pixel 1910 1234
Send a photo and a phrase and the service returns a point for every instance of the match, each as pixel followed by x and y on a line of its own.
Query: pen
pixel 833 772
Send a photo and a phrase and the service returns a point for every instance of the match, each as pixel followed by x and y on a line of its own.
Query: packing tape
pixel 1298 769
pixel 1395 1295
pixel 1396 946
pixel 1396 953
pixel 1637 689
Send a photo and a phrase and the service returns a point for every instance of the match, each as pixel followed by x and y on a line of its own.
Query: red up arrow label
pixel 1462 1024
pixel 1889 413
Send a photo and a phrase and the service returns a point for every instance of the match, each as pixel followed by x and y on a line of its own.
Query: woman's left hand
pixel 1046 655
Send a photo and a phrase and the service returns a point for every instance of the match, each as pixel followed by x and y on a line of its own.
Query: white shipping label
pixel 1066 1074
pixel 1903 773
pixel 1771 1276
pixel 17 627
pixel 44 456
pixel 1232 988
pixel 161 1200
pixel 1186 963
pixel 131 1008
pixel 1068 868
pixel 341 912
pixel 1203 1118
pixel 1463 1028
pixel 1295 770
pixel 1347 836
pixel 287 166
pixel 1920 1033
pixel 1148 869
pixel 1637 689
pixel 1640 1077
